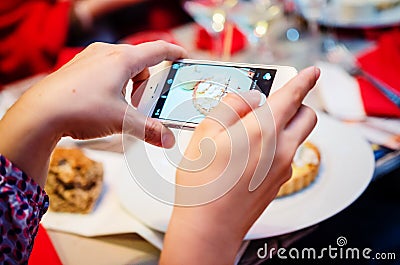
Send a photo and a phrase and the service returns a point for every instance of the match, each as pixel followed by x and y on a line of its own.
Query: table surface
pixel 114 249
pixel 130 248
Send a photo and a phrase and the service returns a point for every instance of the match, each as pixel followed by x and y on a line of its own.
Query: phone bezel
pixel 155 84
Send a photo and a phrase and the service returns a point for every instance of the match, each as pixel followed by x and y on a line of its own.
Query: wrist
pixel 191 239
pixel 31 135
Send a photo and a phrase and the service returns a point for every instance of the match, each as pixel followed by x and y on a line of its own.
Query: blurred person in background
pixel 33 33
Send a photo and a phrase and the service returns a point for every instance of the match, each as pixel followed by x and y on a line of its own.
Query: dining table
pixel 289 41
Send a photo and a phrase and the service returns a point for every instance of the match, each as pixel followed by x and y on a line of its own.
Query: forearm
pixel 28 138
pixel 189 243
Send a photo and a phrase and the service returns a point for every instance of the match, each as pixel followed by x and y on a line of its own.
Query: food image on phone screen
pixel 192 90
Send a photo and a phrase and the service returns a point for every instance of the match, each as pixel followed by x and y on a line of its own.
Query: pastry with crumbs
pixel 74 181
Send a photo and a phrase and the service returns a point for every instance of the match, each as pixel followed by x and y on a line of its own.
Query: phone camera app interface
pixel 191 90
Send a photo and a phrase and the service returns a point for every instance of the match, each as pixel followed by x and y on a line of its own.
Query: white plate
pixel 361 14
pixel 347 165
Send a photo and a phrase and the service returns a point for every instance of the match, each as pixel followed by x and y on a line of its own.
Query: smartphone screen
pixel 191 90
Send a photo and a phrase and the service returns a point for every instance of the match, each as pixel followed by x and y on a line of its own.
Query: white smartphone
pixel 181 95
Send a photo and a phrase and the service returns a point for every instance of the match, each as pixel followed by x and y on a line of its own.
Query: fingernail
pixel 253 92
pixel 259 95
pixel 168 140
pixel 262 100
pixel 317 72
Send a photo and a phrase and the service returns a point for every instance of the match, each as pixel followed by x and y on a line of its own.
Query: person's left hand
pixel 234 165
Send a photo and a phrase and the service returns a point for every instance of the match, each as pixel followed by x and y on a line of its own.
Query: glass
pixel 212 16
pixel 313 11
pixel 254 19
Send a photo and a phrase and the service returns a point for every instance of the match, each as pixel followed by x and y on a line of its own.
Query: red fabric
pixel 66 55
pixel 204 41
pixel 43 251
pixel 162 19
pixel 32 32
pixel 384 63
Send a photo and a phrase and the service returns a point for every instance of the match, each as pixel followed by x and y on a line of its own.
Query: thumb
pixel 148 129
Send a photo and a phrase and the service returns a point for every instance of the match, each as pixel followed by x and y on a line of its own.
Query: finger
pixel 229 111
pixel 143 75
pixel 123 91
pixel 151 53
pixel 299 128
pixel 138 86
pixel 286 101
pixel 147 129
pixel 260 128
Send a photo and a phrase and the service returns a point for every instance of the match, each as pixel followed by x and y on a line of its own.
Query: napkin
pixel 43 251
pixel 383 62
pixel 340 95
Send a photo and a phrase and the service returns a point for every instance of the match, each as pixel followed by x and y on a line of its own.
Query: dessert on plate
pixel 305 168
pixel 74 181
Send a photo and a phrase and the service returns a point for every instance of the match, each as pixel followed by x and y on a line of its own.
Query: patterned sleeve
pixel 22 205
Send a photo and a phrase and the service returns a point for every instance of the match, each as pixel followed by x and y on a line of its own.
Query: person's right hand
pixel 237 141
pixel 83 99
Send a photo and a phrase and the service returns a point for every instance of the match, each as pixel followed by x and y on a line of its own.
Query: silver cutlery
pixel 339 54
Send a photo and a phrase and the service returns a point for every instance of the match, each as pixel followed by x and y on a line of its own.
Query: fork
pixel 339 54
